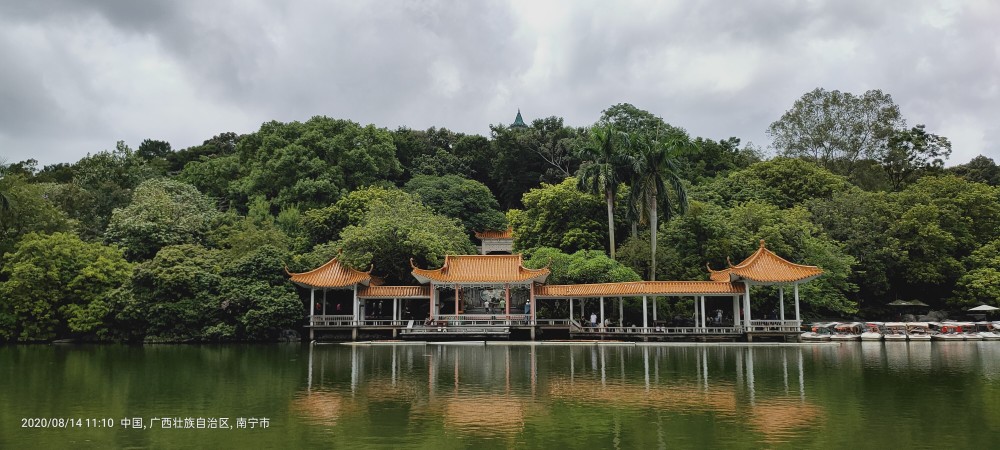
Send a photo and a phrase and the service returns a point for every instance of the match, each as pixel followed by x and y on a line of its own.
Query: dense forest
pixel 157 244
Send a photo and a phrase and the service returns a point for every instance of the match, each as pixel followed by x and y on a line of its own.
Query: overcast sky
pixel 77 76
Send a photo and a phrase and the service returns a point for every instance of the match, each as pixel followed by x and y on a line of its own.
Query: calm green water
pixel 893 395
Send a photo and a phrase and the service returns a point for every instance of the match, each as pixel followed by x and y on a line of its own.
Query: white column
pixel 357 307
pixel 645 323
pixel 697 322
pixel 654 310
pixel 797 303
pixel 532 304
pixel 324 302
pixel 312 305
pixel 621 312
pixel 703 315
pixel 736 311
pixel 746 304
pixel 781 301
pixel 602 311
pixel 395 309
pixel 570 309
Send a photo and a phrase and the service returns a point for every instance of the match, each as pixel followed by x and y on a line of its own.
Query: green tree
pixel 636 122
pixel 837 128
pixel 523 157
pixel 213 176
pixel 656 185
pixel 943 220
pixel 28 209
pixel 163 212
pixel 323 225
pixel 152 149
pixel 220 145
pixel 179 292
pixel 707 158
pixel 861 221
pixel 438 164
pixel 910 153
pixel 106 180
pixel 980 285
pixel 312 164
pixel 559 216
pixel 466 200
pixel 55 286
pixel 602 171
pixel 256 299
pixel 390 234
pixel 980 170
pixel 783 182
pixel 584 266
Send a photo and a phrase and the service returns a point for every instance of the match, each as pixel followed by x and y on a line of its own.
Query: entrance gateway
pixel 490 295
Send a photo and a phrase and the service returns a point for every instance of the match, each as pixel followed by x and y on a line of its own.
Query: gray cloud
pixel 80 75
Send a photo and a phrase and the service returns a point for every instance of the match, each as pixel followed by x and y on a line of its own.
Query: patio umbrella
pixel 984 308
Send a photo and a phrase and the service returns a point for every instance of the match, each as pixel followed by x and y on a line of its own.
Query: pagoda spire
pixel 518 121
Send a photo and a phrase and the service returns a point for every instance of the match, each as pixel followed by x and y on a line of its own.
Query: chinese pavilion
pixel 492 294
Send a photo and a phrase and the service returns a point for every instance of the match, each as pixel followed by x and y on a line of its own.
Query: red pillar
pixel 431 303
pixel 506 294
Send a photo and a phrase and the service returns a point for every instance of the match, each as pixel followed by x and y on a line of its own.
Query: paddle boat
pixel 894 331
pixel 818 332
pixel 918 331
pixel 847 332
pixel 969 331
pixel 873 331
pixel 988 331
pixel 947 331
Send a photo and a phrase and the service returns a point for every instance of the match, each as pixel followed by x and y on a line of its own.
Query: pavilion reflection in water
pixel 498 389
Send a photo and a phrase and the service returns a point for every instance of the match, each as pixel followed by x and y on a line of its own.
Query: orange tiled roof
pixel 634 288
pixel 333 274
pixel 395 292
pixel 766 267
pixel 505 234
pixel 480 269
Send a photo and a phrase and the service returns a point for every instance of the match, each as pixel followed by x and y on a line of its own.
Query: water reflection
pixel 897 394
pixel 501 390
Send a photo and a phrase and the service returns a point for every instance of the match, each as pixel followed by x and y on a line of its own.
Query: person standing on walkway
pixel 593 319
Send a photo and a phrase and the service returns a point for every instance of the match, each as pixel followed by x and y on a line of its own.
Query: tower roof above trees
pixel 518 121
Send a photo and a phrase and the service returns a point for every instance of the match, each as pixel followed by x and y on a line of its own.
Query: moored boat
pixel 873 331
pixel 818 332
pixel 894 331
pixel 847 332
pixel 968 331
pixel 918 331
pixel 947 331
pixel 988 331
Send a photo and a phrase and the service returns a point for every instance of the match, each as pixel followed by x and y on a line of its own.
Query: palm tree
pixel 603 172
pixel 654 176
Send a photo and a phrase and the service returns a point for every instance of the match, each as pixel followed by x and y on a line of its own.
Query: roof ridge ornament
pixel 762 244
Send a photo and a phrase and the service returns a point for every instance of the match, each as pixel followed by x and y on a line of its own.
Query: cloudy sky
pixel 77 76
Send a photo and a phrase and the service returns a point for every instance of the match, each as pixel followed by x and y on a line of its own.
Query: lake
pixel 878 395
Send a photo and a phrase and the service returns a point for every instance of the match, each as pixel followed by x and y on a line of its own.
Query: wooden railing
pixel 332 321
pixel 660 330
pixel 787 326
pixel 485 319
